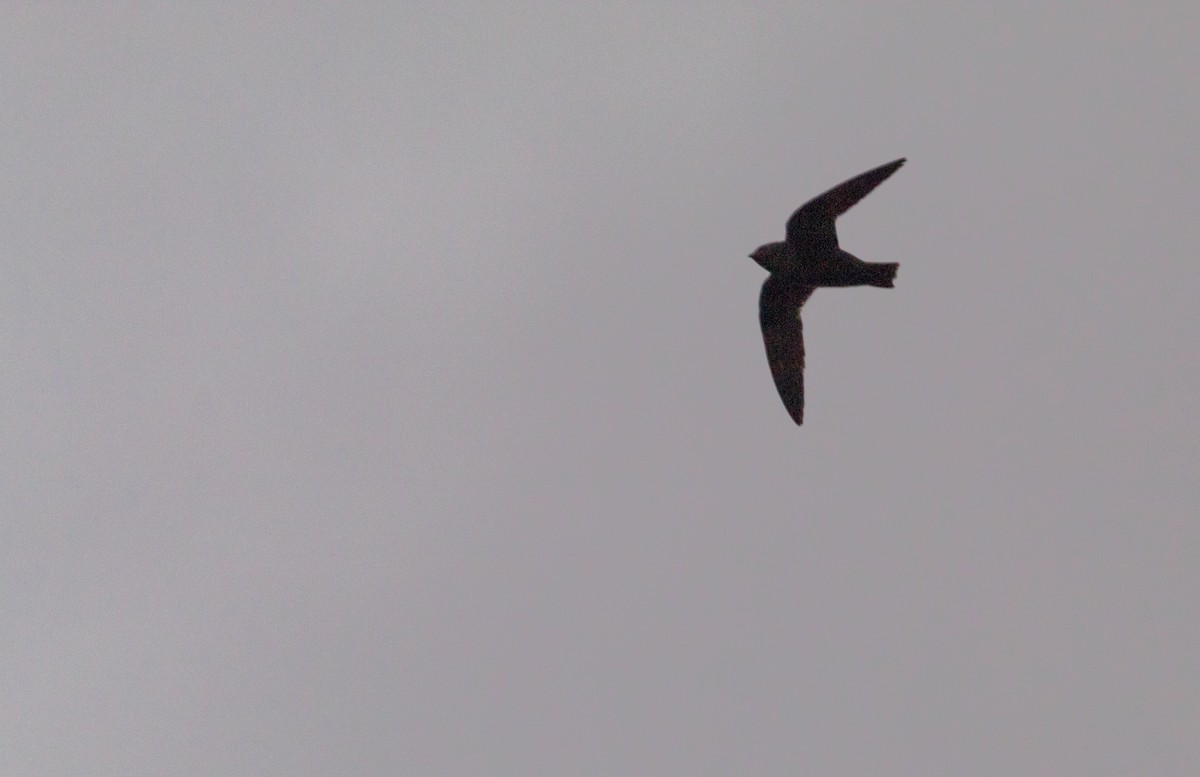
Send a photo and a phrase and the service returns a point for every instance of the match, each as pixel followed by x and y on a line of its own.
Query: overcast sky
pixel 383 392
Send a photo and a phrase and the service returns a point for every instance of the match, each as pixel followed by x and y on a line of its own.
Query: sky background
pixel 383 392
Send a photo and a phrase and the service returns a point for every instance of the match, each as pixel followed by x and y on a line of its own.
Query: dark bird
pixel 811 257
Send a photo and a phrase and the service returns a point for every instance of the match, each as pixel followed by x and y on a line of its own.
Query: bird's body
pixel 839 268
pixel 811 257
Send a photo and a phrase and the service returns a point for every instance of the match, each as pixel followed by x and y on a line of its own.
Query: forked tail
pixel 882 274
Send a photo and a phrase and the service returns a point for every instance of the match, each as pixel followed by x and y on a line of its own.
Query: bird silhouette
pixel 808 258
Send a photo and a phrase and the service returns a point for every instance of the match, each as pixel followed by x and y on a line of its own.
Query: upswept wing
pixel 783 334
pixel 810 230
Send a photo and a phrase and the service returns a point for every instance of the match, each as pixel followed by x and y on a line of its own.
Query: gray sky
pixel 383 391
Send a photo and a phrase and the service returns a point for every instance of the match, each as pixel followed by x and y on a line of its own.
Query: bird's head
pixel 773 257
